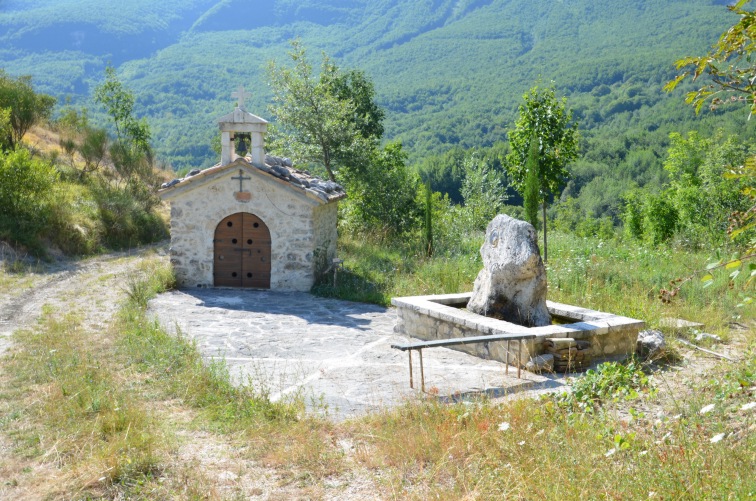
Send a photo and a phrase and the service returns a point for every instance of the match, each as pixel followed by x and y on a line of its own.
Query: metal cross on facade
pixel 241 177
pixel 241 95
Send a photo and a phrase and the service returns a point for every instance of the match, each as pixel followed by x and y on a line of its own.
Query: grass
pixel 525 450
pixel 614 276
pixel 88 406
pixel 175 363
pixel 376 271
pixel 86 424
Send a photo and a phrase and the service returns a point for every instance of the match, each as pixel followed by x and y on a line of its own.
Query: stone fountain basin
pixel 444 317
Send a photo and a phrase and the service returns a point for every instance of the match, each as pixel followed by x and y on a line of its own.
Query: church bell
pixel 242 144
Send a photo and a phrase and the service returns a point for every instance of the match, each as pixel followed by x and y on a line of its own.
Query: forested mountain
pixel 449 72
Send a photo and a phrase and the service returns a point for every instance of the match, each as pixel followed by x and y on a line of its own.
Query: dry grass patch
pixel 73 415
pixel 549 449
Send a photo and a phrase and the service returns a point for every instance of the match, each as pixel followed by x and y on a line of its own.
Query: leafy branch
pixel 728 65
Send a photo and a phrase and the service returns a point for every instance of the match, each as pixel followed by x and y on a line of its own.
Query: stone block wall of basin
pixel 443 317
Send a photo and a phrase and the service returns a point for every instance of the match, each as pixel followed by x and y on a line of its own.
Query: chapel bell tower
pixel 239 125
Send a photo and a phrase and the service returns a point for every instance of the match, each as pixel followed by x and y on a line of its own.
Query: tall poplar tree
pixel 531 196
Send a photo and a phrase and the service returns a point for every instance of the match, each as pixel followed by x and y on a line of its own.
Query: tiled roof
pixel 280 168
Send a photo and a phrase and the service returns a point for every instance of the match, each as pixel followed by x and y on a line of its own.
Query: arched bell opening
pixel 242 252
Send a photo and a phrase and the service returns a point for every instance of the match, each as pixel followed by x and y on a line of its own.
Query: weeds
pixel 610 381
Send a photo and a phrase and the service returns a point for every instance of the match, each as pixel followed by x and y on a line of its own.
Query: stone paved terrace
pixel 331 351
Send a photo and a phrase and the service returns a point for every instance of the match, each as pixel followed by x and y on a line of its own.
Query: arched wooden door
pixel 242 252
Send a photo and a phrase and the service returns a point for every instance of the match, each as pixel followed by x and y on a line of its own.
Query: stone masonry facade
pixel 302 229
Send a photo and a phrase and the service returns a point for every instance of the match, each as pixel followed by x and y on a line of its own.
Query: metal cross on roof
pixel 241 178
pixel 241 95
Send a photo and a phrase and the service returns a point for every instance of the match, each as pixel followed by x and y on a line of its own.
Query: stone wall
pixel 444 317
pixel 297 227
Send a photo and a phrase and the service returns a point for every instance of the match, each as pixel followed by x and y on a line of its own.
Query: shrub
pixel 611 381
pixel 571 217
pixel 125 219
pixel 75 224
pixel 483 194
pixel 383 196
pixel 25 198
pixel 632 216
pixel 660 218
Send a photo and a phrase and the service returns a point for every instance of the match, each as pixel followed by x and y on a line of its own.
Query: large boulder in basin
pixel 512 284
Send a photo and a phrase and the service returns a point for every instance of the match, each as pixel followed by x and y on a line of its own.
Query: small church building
pixel 253 220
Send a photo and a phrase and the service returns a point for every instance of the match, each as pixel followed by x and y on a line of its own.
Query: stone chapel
pixel 252 220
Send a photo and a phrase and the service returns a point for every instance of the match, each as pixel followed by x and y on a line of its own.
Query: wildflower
pixel 521 443
pixel 503 426
pixel 748 407
pixel 717 438
pixel 642 453
pixel 706 409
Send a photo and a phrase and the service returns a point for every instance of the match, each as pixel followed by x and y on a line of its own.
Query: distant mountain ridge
pixel 449 72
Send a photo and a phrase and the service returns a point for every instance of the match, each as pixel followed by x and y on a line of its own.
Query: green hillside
pixel 449 72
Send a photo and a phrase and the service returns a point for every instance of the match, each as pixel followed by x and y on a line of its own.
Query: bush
pixel 632 216
pixel 25 198
pixel 660 218
pixel 384 196
pixel 125 220
pixel 75 224
pixel 570 217
pixel 483 194
pixel 696 204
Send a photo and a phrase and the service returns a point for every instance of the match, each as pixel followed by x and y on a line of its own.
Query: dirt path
pixel 92 288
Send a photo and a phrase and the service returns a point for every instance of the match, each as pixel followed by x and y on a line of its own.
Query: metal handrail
pixel 440 343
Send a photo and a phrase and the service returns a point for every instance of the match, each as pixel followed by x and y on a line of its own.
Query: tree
pixel 131 153
pixel 119 101
pixel 323 120
pixel 26 108
pixel 531 196
pixel 383 197
pixel 544 119
pixel 728 69
pixel 428 218
pixel 354 86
